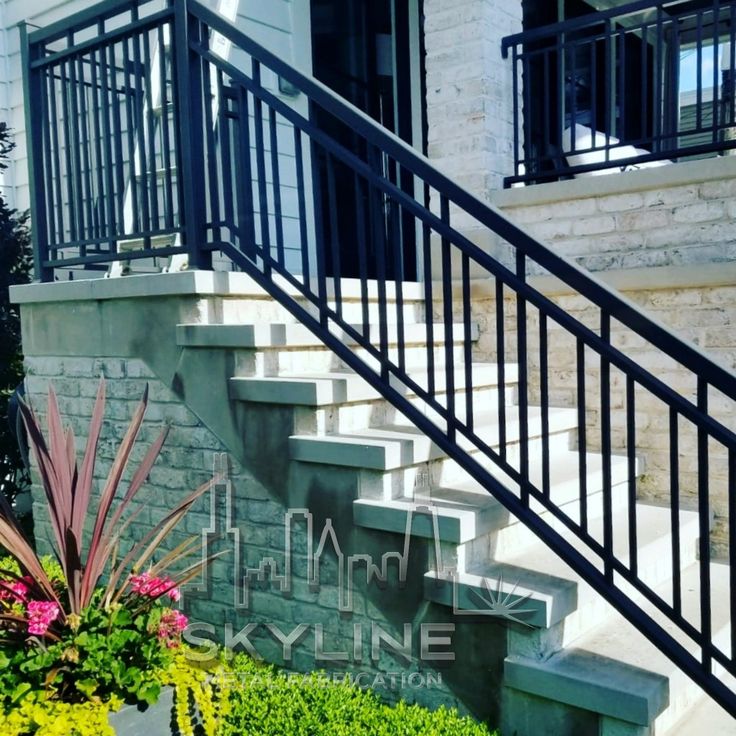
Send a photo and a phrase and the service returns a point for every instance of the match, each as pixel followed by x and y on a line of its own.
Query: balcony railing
pixel 644 84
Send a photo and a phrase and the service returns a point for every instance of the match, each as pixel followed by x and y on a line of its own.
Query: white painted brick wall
pixel 469 89
pixel 667 226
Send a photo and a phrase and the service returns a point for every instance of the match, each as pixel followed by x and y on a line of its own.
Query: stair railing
pixel 280 183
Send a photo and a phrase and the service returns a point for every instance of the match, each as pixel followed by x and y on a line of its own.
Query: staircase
pixel 381 378
pixel 569 652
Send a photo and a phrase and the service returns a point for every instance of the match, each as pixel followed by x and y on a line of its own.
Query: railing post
pixel 190 156
pixel 32 94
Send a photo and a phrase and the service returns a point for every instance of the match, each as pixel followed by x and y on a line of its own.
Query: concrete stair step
pixel 704 717
pixel 467 511
pixel 345 387
pixel 294 335
pixel 613 670
pixel 556 594
pixel 394 446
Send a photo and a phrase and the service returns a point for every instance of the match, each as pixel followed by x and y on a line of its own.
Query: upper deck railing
pixel 644 84
pixel 141 134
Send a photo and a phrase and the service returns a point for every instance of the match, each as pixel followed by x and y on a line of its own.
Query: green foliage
pixel 264 702
pixel 15 268
pixel 41 717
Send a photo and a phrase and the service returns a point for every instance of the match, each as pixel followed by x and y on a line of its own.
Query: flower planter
pixel 156 720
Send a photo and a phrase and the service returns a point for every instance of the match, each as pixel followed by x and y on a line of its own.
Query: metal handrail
pixel 242 217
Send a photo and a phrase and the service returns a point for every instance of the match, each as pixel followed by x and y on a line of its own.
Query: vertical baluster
pixel 716 71
pixel 675 512
pixel 106 132
pixel 81 150
pixel 732 64
pixel 68 152
pixel 467 342
pixel 621 97
pixel 699 75
pixel 515 101
pixel 395 219
pixel 276 181
pixel 658 86
pixel 117 139
pixel 54 126
pixel 50 184
pixel 226 155
pixel 75 158
pixel 261 169
pixel 447 320
pixel 246 225
pixel 165 135
pixel 527 95
pixel 378 222
pixel 361 224
pixel 592 60
pixel 428 296
pixel 732 546
pixel 100 194
pixel 142 171
pixel 303 239
pixel 631 472
pixel 132 173
pixel 150 130
pixel 547 102
pixel 501 367
pixel 643 81
pixel 606 449
pixel 334 233
pixel 544 400
pixel 704 523
pixel 582 437
pixel 213 184
pixel 319 229
pixel 92 231
pixel 521 351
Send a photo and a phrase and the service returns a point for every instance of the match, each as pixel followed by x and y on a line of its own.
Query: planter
pixel 156 720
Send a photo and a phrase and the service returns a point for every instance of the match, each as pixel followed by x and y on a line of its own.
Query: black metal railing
pixel 260 184
pixel 635 86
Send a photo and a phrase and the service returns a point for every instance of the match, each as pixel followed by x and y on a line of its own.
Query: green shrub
pixel 264 702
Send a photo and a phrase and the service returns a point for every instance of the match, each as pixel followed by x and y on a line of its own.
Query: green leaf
pixel 87 686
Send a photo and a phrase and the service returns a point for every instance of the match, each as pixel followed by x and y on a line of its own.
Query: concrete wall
pixel 102 333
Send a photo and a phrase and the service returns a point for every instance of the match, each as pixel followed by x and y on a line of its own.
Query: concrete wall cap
pixel 680 174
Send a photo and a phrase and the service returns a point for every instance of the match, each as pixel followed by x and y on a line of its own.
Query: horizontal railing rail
pixel 643 84
pixel 264 184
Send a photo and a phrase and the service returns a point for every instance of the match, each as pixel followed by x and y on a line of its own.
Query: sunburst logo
pixel 496 601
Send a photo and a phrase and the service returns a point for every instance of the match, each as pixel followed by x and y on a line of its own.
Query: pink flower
pixel 17 591
pixel 40 616
pixel 170 627
pixel 145 584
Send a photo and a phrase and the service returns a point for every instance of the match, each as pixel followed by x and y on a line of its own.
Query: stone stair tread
pixel 468 510
pixel 293 335
pixel 396 445
pixel 333 387
pixel 547 579
pixel 705 717
pixel 614 670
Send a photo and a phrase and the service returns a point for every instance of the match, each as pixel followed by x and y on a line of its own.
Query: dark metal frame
pixel 244 151
pixel 599 56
